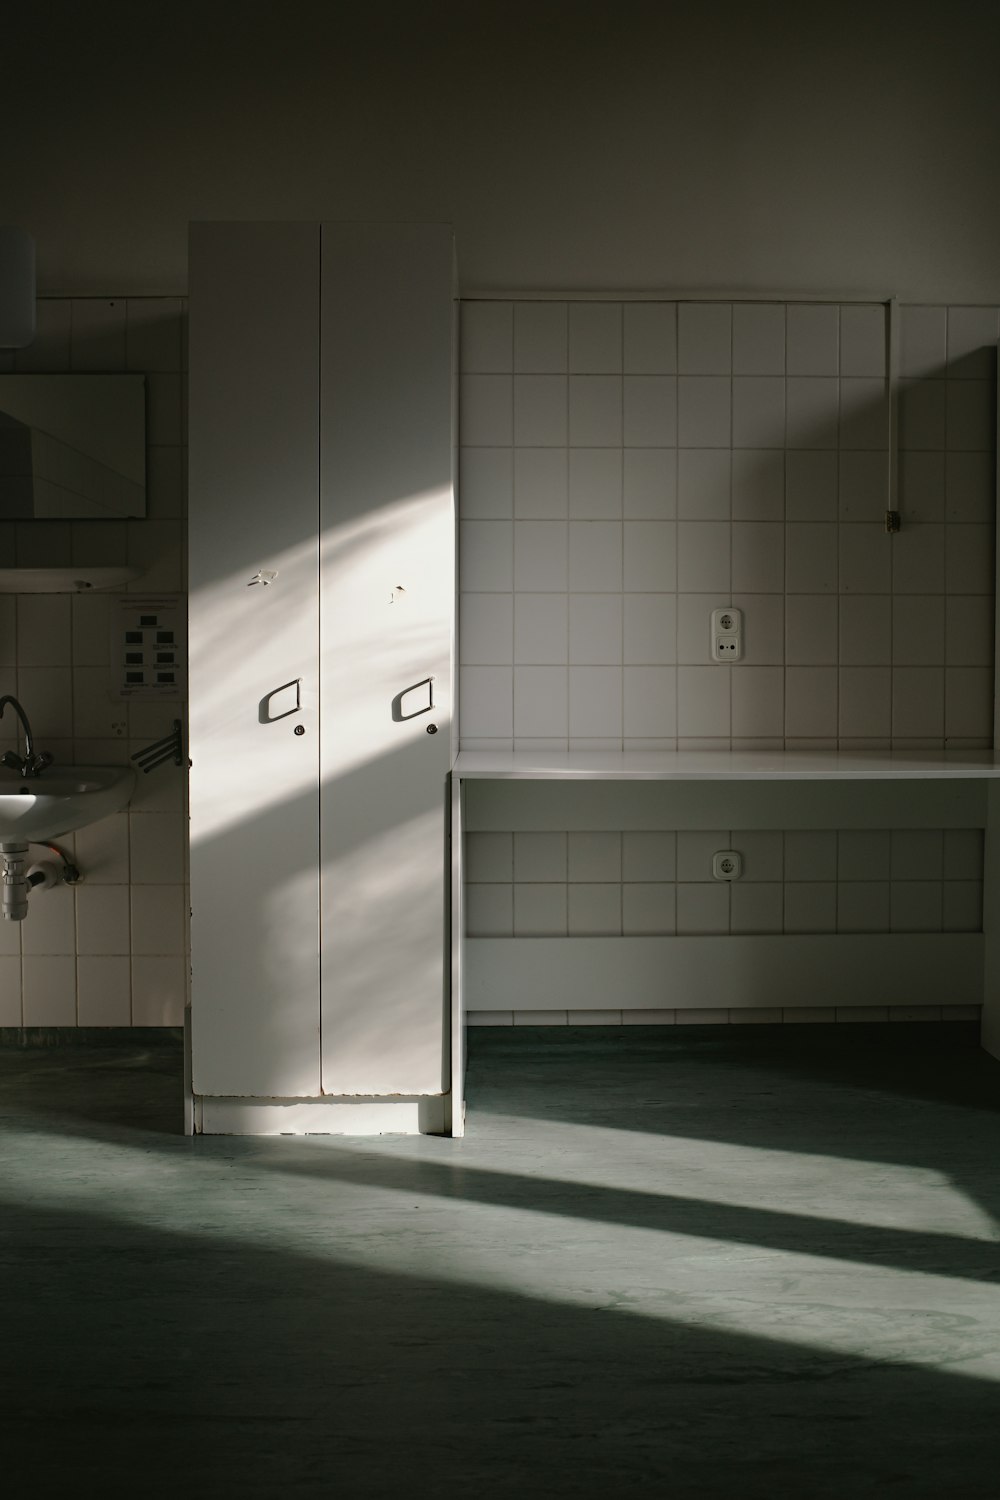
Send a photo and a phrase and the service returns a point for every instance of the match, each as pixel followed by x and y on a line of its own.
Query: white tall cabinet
pixel 321 620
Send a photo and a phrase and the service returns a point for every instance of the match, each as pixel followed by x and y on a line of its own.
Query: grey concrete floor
pixel 694 1262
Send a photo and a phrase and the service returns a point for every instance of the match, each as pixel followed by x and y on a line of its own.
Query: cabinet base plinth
pixel 215 1115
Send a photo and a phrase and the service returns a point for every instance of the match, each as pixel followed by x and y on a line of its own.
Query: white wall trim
pixel 231 1116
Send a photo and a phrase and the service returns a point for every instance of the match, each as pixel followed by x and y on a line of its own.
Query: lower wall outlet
pixel 727 634
pixel 727 864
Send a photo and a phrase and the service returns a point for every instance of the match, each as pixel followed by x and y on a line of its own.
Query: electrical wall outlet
pixel 727 634
pixel 727 864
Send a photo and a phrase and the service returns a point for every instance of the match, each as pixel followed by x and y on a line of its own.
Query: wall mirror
pixel 72 447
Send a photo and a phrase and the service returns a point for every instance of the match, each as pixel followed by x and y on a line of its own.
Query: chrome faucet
pixel 31 763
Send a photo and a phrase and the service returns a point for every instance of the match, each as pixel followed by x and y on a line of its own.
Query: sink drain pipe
pixel 18 880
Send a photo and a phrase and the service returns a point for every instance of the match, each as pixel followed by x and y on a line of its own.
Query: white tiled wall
pixel 627 467
pixel 110 951
pixel 659 882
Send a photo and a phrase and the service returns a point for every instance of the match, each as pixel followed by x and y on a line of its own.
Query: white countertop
pixel 728 765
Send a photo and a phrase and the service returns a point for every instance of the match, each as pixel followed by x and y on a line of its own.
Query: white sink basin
pixel 60 799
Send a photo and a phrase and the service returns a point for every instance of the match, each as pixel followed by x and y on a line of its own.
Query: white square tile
pixel 811 558
pixel 703 557
pixel 758 411
pixel 810 702
pixel 49 991
pixel 812 412
pixel 540 412
pixel 102 850
pixel 540 629
pixel 595 702
pixel 595 556
pixel 595 484
pixel 756 908
pixel 156 549
pixel 104 991
pixel 758 484
pixel 703 701
pixel 8 631
pixel 158 913
pixel 10 990
pixel 650 556
pixel 970 487
pixel 862 340
pixel 166 412
pixel 43 630
pixel 702 909
pixel 489 911
pixel 489 857
pixel 97 333
pixel 758 559
pixel 486 484
pixel 922 414
pixel 969 703
pixel 865 630
pixel 812 339
pixel 917 702
pixel 487 337
pixel 487 407
pixel 48 693
pixel 166 483
pixel 864 486
pixel 758 702
pixel 972 342
pixel 917 854
pixel 595 911
pixel 650 484
pixel 918 631
pixel 763 628
pixel 916 906
pixel 650 411
pixel 971 415
pixel 923 336
pixel 918 560
pixel 487 702
pixel 811 630
pixel 963 854
pixel 650 338
pixel 867 559
pixel 540 857
pixel 694 631
pixel 863 906
pixel 595 338
pixel 922 485
pixel 864 414
pixel 962 906
pixel 650 702
pixel 865 697
pixel 758 338
pixel 595 629
pixel 811 908
pixel 595 856
pixel 649 855
pixel 102 919
pixel 487 556
pixel 705 338
pixel 540 702
pixel 50 927
pixel 487 629
pixel 541 556
pixel 541 338
pixel 154 327
pixel 650 629
pixel 695 849
pixel 50 348
pixel 540 483
pixel 595 411
pixel 704 415
pixel 156 848
pixel 811 486
pixel 93 543
pixel 969 559
pixel 704 480
pixel 540 911
pixel 863 854
pixel 649 910
pixel 969 627
pixel 810 854
pixel 158 991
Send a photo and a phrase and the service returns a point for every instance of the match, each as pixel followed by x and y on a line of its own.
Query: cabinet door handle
pixel 280 702
pixel 413 701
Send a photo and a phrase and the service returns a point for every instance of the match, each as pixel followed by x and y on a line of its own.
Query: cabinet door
pixel 387 538
pixel 254 502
